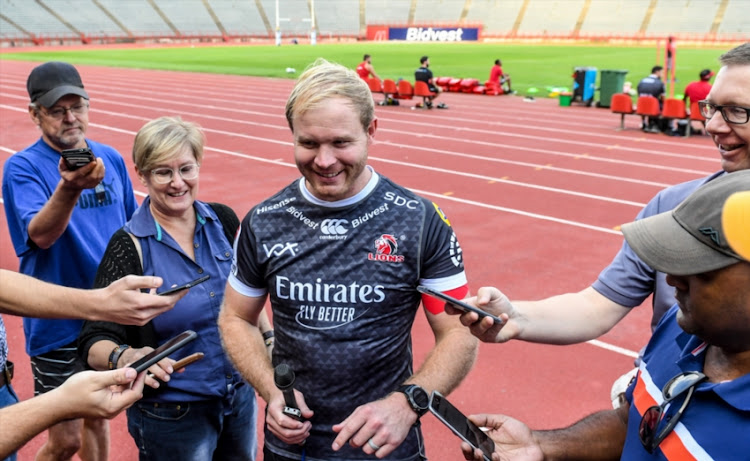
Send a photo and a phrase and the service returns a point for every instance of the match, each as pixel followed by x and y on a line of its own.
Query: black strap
pixel 228 218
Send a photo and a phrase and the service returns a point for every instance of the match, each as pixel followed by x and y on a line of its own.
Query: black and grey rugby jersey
pixel 342 281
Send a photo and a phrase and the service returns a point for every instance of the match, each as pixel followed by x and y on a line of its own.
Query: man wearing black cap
pixel 691 394
pixel 60 219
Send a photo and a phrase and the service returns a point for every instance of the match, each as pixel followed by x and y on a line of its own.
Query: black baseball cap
pixel 706 74
pixel 691 238
pixel 49 82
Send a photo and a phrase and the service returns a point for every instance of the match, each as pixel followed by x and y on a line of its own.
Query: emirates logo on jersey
pixel 386 247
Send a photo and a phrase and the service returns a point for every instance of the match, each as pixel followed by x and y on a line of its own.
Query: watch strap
pixel 115 355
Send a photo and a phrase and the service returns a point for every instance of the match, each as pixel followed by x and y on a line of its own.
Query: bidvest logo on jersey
pixel 301 216
pixel 328 305
pixel 386 247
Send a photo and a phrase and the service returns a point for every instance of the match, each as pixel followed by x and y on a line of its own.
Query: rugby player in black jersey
pixel 340 253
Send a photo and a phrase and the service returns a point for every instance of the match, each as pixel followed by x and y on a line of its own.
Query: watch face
pixel 420 396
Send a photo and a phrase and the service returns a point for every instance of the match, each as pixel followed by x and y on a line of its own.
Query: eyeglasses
pixel 59 112
pixel 653 417
pixel 732 114
pixel 165 175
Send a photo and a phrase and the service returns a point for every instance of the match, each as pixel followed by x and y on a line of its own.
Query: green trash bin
pixel 565 99
pixel 611 82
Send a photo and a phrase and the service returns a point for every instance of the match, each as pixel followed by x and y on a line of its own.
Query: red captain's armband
pixel 436 306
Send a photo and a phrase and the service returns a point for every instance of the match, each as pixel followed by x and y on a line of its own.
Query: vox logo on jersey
pixel 386 250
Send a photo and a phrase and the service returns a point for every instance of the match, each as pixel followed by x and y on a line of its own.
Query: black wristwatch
pixel 417 397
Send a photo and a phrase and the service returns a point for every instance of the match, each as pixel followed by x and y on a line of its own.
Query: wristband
pixel 267 335
pixel 269 342
pixel 114 356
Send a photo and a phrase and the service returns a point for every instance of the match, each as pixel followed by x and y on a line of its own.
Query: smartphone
pixel 164 350
pixel 460 425
pixel 76 158
pixel 458 304
pixel 185 286
pixel 185 361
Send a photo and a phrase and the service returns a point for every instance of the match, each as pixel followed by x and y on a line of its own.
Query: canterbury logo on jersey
pixel 334 226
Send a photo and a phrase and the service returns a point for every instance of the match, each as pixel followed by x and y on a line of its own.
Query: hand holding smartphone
pixel 458 304
pixel 184 286
pixel 164 350
pixel 76 158
pixel 460 425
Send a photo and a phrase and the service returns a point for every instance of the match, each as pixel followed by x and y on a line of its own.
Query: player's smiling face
pixel 330 149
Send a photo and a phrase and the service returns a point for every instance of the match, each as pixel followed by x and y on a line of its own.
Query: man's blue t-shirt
pixel 30 177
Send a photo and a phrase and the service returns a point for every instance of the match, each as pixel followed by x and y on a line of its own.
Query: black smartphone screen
pixel 458 304
pixel 185 286
pixel 460 425
pixel 164 350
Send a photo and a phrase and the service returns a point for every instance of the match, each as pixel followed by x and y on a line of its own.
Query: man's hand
pixel 100 394
pixel 493 301
pixel 124 303
pixel 385 423
pixel 513 439
pixel 86 177
pixel 286 428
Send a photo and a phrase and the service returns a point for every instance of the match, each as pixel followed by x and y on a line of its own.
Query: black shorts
pixel 52 369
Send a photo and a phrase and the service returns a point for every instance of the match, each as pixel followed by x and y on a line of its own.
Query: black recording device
pixel 76 158
pixel 283 377
pixel 460 425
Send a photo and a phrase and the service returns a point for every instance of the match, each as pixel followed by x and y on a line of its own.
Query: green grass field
pixel 530 65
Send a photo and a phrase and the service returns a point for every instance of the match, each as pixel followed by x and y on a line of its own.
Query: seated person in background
pixel 500 79
pixel 698 90
pixel 424 74
pixel 652 86
pixel 689 398
pixel 365 68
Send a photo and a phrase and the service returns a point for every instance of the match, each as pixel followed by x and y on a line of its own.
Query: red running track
pixel 535 191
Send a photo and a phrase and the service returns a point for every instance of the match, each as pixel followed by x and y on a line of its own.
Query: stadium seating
pixel 443 82
pixel 623 105
pixel 647 106
pixel 390 90
pixel 468 85
pixel 454 85
pixel 695 116
pixel 376 87
pixel 674 109
pixel 405 89
pixel 422 90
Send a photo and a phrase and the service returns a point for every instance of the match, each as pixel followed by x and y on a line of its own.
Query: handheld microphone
pixel 283 377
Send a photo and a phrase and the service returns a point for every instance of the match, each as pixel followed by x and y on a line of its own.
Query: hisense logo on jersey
pixel 320 292
pixel 386 247
pixel 275 206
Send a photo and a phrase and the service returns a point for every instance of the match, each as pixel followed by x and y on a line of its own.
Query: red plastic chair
pixel 623 105
pixel 376 87
pixel 390 90
pixel 674 108
pixel 422 90
pixel 405 90
pixel 647 106
pixel 695 116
